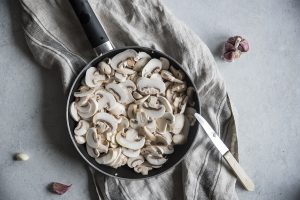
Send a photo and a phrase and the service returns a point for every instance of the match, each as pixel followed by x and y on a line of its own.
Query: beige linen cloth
pixel 58 42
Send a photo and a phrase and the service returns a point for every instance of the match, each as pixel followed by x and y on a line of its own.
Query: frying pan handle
pixel 92 27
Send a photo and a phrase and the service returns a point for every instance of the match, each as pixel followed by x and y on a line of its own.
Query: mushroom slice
pixel 155 160
pixel 165 149
pixel 166 103
pixel 177 73
pixel 124 123
pixel 163 122
pixel 142 100
pixel 153 112
pixel 156 75
pixel 130 85
pixel 165 63
pixel 73 112
pixel 131 111
pixel 181 138
pixel 143 130
pixel 81 128
pixel 151 86
pixel 154 65
pixel 135 161
pixel 104 68
pixel 177 127
pixel 130 153
pixel 141 55
pixel 93 78
pixel 120 160
pixel 143 169
pixel 190 115
pixel 120 77
pixel 168 76
pixel 118 91
pixel 88 110
pixel 178 87
pixel 125 71
pixel 117 59
pixel 92 138
pixel 118 109
pixel 107 118
pixel 80 139
pixel 151 150
pixel 140 64
pixel 105 99
pixel 82 100
pixel 92 151
pixel 84 91
pixel 124 142
pixel 108 158
pixel 164 139
pixel 183 105
pixel 137 95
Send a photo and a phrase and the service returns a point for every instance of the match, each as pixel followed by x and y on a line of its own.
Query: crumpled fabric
pixel 57 42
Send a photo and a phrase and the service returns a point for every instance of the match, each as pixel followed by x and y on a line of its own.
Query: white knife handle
pixel 239 172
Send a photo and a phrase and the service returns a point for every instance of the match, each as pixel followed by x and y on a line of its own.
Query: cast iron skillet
pixel 103 46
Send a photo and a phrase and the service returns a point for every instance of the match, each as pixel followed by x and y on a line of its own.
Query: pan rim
pixel 71 88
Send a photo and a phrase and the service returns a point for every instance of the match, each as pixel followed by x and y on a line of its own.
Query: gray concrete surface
pixel 264 85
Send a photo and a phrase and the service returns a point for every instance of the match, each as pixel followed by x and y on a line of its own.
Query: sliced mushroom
pixel 153 112
pixel 93 78
pixel 163 122
pixel 168 76
pixel 182 137
pixel 153 150
pixel 104 68
pixel 117 59
pixel 177 126
pixel 118 109
pixel 155 160
pixel 125 71
pixel 165 63
pixel 80 139
pixel 165 149
pixel 81 128
pixel 177 73
pixel 143 130
pixel 131 110
pixel 119 92
pixel 183 105
pixel 108 158
pixel 120 161
pixel 166 103
pixel 73 112
pixel 178 87
pixel 84 91
pixel 141 55
pixel 130 153
pixel 154 65
pixel 142 120
pixel 105 99
pixel 164 139
pixel 143 169
pixel 190 115
pixel 107 118
pixel 128 84
pixel 82 100
pixel 128 142
pixel 135 161
pixel 92 138
pixel 142 100
pixel 88 110
pixel 150 86
pixel 120 77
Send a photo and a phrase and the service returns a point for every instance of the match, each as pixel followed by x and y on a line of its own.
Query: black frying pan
pixel 103 46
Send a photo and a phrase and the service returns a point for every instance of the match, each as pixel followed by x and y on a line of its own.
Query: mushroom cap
pixel 108 158
pixel 105 100
pixel 104 68
pixel 119 91
pixel 108 119
pixel 93 152
pixel 80 139
pixel 92 79
pixel 154 65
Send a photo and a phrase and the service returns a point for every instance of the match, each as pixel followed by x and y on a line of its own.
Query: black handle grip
pixel 92 27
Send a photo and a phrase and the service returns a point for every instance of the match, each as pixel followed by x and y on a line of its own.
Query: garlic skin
pixel 21 157
pixel 234 47
pixel 59 188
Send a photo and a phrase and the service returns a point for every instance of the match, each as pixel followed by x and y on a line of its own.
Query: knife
pixel 237 169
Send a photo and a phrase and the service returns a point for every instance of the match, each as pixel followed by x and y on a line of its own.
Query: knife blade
pixel 237 169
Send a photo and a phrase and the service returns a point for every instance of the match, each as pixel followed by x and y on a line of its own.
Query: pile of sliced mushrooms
pixel 131 110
